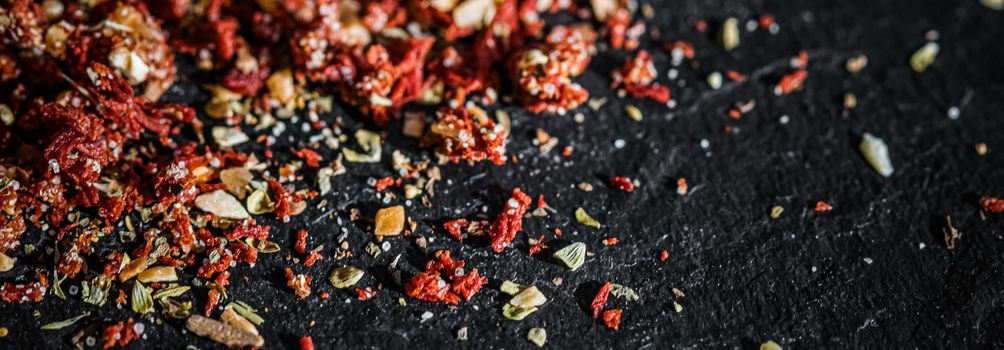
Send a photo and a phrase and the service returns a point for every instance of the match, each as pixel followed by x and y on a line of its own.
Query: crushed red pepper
pixel 430 285
pixel 600 299
pixel 823 207
pixel 119 334
pixel 612 318
pixel 637 77
pixel 992 204
pixel 509 221
pixel 306 343
pixel 300 283
pixel 622 183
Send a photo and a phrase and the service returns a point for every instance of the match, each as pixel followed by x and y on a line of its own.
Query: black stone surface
pixel 872 273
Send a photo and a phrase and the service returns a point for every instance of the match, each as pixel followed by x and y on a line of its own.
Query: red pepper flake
pixel 802 60
pixel 454 227
pixel 119 334
pixel 611 241
pixel 19 293
pixel 557 231
pixel 509 221
pixel 822 207
pixel 701 26
pixel 383 183
pixel 538 247
pixel 324 295
pixel 791 82
pixel 540 202
pixel 637 77
pixel 681 186
pixel 301 242
pixel 664 255
pixel 306 343
pixel 684 48
pixel 299 283
pixel 765 21
pixel 312 258
pixel 431 286
pixel 735 114
pixel 310 157
pixel 992 204
pixel 468 285
pixel 566 152
pixel 735 76
pixel 622 183
pixel 612 318
pixel 365 294
pixel 600 299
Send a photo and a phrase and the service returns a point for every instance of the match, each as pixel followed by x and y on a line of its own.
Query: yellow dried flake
pixel 729 34
pixel 583 218
pixel 924 56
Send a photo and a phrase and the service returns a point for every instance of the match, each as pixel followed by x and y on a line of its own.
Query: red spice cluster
pixel 621 183
pixel 612 317
pixel 509 221
pixel 637 77
pixel 119 334
pixel 543 73
pixel 469 134
pixel 300 283
pixel 992 204
pixel 444 281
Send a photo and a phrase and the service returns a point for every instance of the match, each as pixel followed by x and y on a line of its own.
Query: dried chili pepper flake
pixel 637 77
pixel 509 221
pixel 600 299
pixel 681 186
pixel 119 334
pixel 610 241
pixel 682 49
pixel 365 294
pixel 765 21
pixel 540 202
pixel 557 231
pixel 612 318
pixel 312 258
pixel 621 183
pixel 429 287
pixel 20 293
pixel 791 82
pixel 538 246
pixel 310 157
pixel 454 227
pixel 992 204
pixel 468 285
pixel 664 255
pixel 383 183
pixel 301 242
pixel 735 76
pixel 300 283
pixel 822 206
pixel 306 343
pixel 566 152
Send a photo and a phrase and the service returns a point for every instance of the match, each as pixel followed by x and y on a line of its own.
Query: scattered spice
pixel 612 318
pixel 223 333
pixel 572 255
pixel 624 292
pixel 856 63
pixel 583 218
pixel 621 183
pixel 119 334
pixel 728 35
pixel 924 56
pixel 537 336
pixel 951 233
pixel 681 186
pixel 300 283
pixel 992 204
pixel 770 345
pixel 877 154
pixel 776 211
pixel 823 207
pixel 389 222
pixel 345 277
pixel 64 323
pixel 509 221
pixel 600 299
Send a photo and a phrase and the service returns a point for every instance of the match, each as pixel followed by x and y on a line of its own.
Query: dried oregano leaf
pixel 511 288
pixel 64 323
pixel 516 313
pixel 537 336
pixel 623 292
pixel 585 219
pixel 247 312
pixel 142 302
pixel 171 291
pixel 572 256
pixel 345 277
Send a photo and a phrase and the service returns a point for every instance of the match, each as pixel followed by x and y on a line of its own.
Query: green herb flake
pixel 373 249
pixel 623 292
pixel 64 323
pixel 572 256
pixel 345 277
pixel 57 289
pixel 537 336
pixel 142 303
pixel 175 309
pixel 517 313
pixel 247 312
pixel 924 56
pixel 583 218
pixel 511 288
pixel 171 291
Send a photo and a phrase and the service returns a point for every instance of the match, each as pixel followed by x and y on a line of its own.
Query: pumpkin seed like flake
pixel 142 303
pixel 633 112
pixel 877 154
pixel 924 57
pixel 537 336
pixel 729 34
pixel 221 204
pixel 776 211
pixel 529 297
pixel 583 218
pixel 370 143
pixel 572 256
pixel 64 323
pixel 345 277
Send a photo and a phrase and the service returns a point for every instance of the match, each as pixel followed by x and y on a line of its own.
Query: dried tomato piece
pixel 306 343
pixel 119 334
pixel 600 299
pixel 365 294
pixel 992 204
pixel 455 226
pixel 509 221
pixel 536 248
pixel 301 241
pixel 621 183
pixel 543 73
pixel 429 287
pixel 20 293
pixel 612 318
pixel 791 82
pixel 248 228
pixel 468 285
pixel 310 157
pixel 469 134
pixel 822 207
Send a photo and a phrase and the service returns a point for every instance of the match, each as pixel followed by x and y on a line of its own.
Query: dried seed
pixel 715 80
pixel 280 86
pixel 528 297
pixel 389 222
pixel 924 56
pixel 237 180
pixel 981 148
pixel 142 302
pixel 370 143
pixel 221 204
pixel 572 256
pixel 516 313
pixel 776 211
pixel 537 336
pixel 623 292
pixel 850 101
pixel 259 203
pixel 345 277
pixel 729 34
pixel 6 262
pixel 232 318
pixel 877 154
pixel 857 63
pixel 633 112
pixel 583 218
pixel 158 274
pixel 229 137
pixel 223 333
pixel 511 288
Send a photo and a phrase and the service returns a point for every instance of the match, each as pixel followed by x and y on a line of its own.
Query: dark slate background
pixel 803 280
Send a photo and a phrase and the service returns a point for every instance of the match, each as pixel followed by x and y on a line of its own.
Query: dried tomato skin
pixel 509 221
pixel 119 334
pixel 637 77
pixel 600 299
pixel 301 242
pixel 453 227
pixel 468 285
